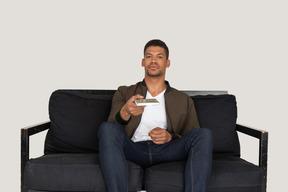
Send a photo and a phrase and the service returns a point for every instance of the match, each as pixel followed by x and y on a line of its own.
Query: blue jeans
pixel 115 147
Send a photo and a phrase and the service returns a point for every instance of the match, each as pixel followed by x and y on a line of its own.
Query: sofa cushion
pixel 75 117
pixel 76 114
pixel 229 173
pixel 219 113
pixel 73 172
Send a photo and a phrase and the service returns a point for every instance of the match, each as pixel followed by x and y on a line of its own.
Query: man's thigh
pixel 137 152
pixel 172 151
pixel 175 150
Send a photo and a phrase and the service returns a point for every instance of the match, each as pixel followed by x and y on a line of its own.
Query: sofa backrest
pixel 75 116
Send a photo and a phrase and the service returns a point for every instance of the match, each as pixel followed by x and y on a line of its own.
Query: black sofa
pixel 70 161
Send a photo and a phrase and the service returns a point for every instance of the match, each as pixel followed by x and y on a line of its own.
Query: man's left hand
pixel 160 136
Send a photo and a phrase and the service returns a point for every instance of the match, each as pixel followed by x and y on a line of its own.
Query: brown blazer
pixel 180 110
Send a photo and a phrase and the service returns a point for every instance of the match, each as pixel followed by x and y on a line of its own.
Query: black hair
pixel 157 42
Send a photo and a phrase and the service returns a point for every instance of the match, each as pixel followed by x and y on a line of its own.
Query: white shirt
pixel 152 117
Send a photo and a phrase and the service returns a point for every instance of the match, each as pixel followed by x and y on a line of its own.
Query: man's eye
pixel 148 56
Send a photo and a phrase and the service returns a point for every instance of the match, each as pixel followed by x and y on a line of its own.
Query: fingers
pixel 131 101
pixel 160 136
pixel 131 108
pixel 159 140
pixel 135 111
pixel 157 132
pixel 138 96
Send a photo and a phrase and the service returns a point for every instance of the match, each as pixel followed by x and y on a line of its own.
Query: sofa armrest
pixel 25 134
pixel 263 148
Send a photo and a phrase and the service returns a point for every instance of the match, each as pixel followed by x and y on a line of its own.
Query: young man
pixel 154 134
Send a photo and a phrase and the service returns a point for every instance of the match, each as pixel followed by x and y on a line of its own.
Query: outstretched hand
pixel 160 136
pixel 131 109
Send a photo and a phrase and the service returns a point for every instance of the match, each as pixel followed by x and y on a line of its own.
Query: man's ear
pixel 142 63
pixel 168 63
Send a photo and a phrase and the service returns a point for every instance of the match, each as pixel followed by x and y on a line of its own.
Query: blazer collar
pixel 168 89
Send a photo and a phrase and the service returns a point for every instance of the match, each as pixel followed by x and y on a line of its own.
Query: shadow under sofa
pixel 71 162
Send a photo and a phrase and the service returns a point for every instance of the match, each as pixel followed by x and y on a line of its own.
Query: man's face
pixel 155 61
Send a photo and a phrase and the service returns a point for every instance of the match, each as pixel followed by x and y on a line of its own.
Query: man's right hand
pixel 131 109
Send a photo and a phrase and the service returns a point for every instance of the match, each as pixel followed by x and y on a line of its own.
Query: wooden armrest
pixel 263 148
pixel 25 134
pixel 263 141
pixel 31 130
pixel 251 131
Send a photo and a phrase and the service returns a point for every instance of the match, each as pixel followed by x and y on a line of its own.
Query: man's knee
pixel 206 133
pixel 109 129
pixel 203 135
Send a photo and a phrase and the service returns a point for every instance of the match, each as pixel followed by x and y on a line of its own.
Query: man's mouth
pixel 153 67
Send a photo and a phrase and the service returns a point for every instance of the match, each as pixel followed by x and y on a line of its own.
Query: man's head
pixel 155 59
pixel 159 43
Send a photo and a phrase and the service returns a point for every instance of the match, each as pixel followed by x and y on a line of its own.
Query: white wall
pixel 239 46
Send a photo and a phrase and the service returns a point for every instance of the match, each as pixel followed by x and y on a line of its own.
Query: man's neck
pixel 155 86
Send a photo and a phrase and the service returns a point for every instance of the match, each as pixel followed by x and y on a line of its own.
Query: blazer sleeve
pixel 191 119
pixel 118 101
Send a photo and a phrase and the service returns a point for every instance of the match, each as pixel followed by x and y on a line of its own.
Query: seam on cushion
pixel 233 172
pixel 152 183
pixel 238 187
pixel 91 96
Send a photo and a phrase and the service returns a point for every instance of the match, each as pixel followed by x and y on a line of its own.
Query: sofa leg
pixel 24 155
